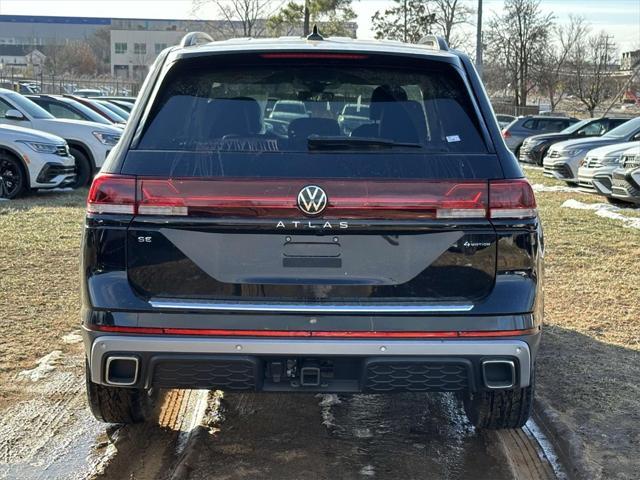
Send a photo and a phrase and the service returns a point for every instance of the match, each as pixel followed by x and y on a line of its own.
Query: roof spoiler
pixel 434 42
pixel 192 39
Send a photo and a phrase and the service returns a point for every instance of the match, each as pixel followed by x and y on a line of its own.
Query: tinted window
pixel 356 111
pixel 551 125
pixel 217 107
pixel 62 111
pixel 626 129
pixel 530 124
pixel 593 129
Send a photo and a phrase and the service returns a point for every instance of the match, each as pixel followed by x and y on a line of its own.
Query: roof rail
pixel 195 38
pixel 434 42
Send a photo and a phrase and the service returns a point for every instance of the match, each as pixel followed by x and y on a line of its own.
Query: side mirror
pixel 14 114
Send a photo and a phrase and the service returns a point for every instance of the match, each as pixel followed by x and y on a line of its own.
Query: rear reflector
pixel 347 199
pixel 317 334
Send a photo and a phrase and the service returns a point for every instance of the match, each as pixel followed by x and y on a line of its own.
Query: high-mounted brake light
pixel 511 199
pixel 323 56
pixel 112 194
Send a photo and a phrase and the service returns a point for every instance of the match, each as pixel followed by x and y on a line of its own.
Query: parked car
pixel 534 148
pixel 523 127
pixel 123 102
pixel 504 120
pixel 89 142
pixel 596 170
pixel 563 158
pixel 63 107
pixel 122 113
pixel 88 92
pixel 288 110
pixel 30 159
pixel 100 109
pixel 318 262
pixel 353 116
pixel 625 186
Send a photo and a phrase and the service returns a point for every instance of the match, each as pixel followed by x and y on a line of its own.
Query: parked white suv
pixel 89 142
pixel 596 170
pixel 31 160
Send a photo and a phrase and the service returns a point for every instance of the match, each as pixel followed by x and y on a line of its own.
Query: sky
pixel 620 18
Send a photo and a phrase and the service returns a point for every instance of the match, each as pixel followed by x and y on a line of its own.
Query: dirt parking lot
pixel 587 378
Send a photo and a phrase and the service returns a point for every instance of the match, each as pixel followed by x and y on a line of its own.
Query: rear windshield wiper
pixel 316 142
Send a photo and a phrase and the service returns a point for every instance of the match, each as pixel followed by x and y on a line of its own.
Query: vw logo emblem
pixel 312 200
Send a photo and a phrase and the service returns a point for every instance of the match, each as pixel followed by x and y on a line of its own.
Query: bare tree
pixel 517 40
pixel 242 18
pixel 410 20
pixel 552 73
pixel 593 63
pixel 449 14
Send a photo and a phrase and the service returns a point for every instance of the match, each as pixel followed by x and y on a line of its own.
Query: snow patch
pixel 73 337
pixel 368 471
pixel 327 401
pixel 606 211
pixel 539 187
pixel 46 365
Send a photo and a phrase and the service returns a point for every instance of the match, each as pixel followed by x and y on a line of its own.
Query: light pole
pixel 307 16
pixel 479 66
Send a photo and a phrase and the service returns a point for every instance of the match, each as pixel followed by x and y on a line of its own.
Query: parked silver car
pixel 594 175
pixel 563 159
pixel 523 127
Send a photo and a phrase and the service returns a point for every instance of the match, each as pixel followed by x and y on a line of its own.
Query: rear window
pixel 290 109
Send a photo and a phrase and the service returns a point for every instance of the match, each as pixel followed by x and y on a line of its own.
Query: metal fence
pixel 60 85
pixel 509 109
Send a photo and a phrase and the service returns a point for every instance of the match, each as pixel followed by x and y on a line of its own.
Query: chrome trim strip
pixel 122 344
pixel 307 308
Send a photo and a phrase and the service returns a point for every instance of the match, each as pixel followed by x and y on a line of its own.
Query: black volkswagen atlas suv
pixel 224 249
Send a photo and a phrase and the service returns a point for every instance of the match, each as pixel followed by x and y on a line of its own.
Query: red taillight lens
pixel 112 194
pixel 347 199
pixel 511 199
pixel 506 134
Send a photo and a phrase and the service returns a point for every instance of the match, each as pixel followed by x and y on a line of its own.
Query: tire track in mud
pixel 413 436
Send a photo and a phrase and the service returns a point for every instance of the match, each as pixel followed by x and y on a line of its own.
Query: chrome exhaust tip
pixel 121 371
pixel 499 374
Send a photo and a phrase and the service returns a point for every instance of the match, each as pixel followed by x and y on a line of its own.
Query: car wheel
pixel 13 178
pixel 83 168
pixel 498 409
pixel 119 404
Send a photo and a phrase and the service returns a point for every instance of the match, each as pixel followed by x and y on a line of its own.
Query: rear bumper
pixel 357 365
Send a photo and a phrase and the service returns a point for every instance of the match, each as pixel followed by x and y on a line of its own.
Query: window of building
pixel 121 47
pixel 140 48
pixel 160 47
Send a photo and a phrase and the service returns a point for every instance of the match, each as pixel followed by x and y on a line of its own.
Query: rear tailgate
pixel 391 241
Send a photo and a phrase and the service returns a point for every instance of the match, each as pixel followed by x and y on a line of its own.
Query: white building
pixel 132 51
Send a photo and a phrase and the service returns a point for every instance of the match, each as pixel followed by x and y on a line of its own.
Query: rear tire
pixel 119 405
pixel 83 168
pixel 498 409
pixel 13 178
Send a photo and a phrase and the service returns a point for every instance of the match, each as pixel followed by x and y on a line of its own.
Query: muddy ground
pixel 210 435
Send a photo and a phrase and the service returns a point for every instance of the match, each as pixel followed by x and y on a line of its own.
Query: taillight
pixel 347 199
pixel 511 199
pixel 112 194
pixel 506 134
